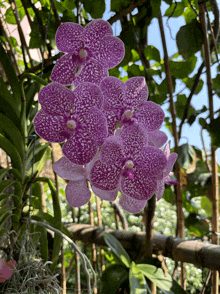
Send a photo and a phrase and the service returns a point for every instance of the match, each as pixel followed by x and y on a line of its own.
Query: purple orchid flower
pixel 90 52
pixel 171 158
pixel 125 163
pixel 74 116
pixel 126 103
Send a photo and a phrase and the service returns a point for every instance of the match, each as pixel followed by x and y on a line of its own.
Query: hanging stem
pixel 215 190
pixel 177 169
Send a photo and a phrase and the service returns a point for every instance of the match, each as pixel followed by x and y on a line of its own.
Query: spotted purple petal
pixel 80 148
pixel 136 92
pixel 68 170
pixel 105 195
pixel 140 187
pixel 65 69
pixel 111 51
pixel 112 151
pixel 94 33
pixel 166 149
pixel 92 71
pixel 170 163
pixel 69 37
pixel 150 115
pixel 160 189
pixel 113 92
pixel 77 193
pixel 97 125
pixel 113 119
pixel 134 138
pixel 151 161
pixel 86 96
pixel 56 99
pixel 49 127
pixel 131 205
pixel 105 177
pixel 168 181
pixel 157 138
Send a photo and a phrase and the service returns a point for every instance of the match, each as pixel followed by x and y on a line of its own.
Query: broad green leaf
pixel 40 160
pixel 36 40
pixel 137 281
pixel 155 6
pixel 4 210
pixel 190 38
pixel 152 53
pixel 190 81
pixel 3 231
pixel 69 4
pixel 4 197
pixel 11 132
pixel 5 184
pixel 135 70
pixel 9 16
pixel 38 148
pixel 112 278
pixel 182 69
pixel 95 8
pixel 175 10
pixel 195 113
pixel 3 172
pixel 206 205
pixel 130 37
pixel 189 15
pixel 117 5
pixel 185 155
pixel 196 225
pixel 213 129
pixel 10 149
pixel 180 104
pixel 165 283
pixel 117 248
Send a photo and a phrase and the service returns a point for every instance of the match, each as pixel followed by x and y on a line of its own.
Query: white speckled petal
pixel 87 95
pixel 141 186
pixel 170 163
pixel 134 138
pixel 136 92
pixel 65 69
pixel 49 127
pixel 131 205
pixel 111 51
pixel 112 151
pixel 105 195
pixel 69 37
pixel 157 138
pixel 113 92
pixel 166 149
pixel 92 71
pixel 105 177
pixel 113 119
pixel 56 99
pixel 94 33
pixel 160 189
pixel 151 115
pixel 77 193
pixel 97 127
pixel 68 170
pixel 80 148
pixel 151 161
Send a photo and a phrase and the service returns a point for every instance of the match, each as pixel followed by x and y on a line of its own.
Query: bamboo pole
pixel 191 251
pixel 215 184
pixel 99 216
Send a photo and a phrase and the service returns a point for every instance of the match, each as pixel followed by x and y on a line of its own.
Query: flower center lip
pixel 128 114
pixel 83 53
pixel 71 124
pixel 129 164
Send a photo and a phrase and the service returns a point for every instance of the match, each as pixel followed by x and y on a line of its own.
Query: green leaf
pixel 40 160
pixel 112 278
pixel 13 42
pixel 117 5
pixel 9 16
pixel 182 69
pixel 137 281
pixel 152 53
pixel 3 231
pixel 206 205
pixel 11 132
pixel 190 38
pixel 180 104
pixel 3 172
pixel 185 155
pixel 213 129
pixel 129 36
pixel 5 184
pixel 190 81
pixel 135 70
pixel 117 248
pixel 10 149
pixel 195 113
pixel 95 8
pixel 165 283
pixel 196 225
pixel 189 15
pixel 69 4
pixel 175 10
pixel 36 40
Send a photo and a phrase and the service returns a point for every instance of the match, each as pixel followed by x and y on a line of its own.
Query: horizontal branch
pixel 195 252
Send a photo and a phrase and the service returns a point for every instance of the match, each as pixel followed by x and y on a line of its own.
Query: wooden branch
pixel 121 214
pixel 190 251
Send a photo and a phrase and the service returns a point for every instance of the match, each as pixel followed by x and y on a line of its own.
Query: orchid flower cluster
pixel 109 128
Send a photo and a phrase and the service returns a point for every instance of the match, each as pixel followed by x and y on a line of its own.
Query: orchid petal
pixel 170 163
pixel 49 127
pixel 160 189
pixel 56 99
pixel 105 195
pixel 136 92
pixel 80 148
pixel 166 149
pixel 65 69
pixel 77 193
pixel 112 151
pixel 68 170
pixel 69 37
pixel 157 138
pixel 94 33
pixel 97 125
pixel 113 119
pixel 92 71
pixel 131 205
pixel 150 115
pixel 111 51
pixel 105 177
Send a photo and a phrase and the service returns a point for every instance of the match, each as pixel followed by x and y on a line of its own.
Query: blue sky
pixel 190 135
